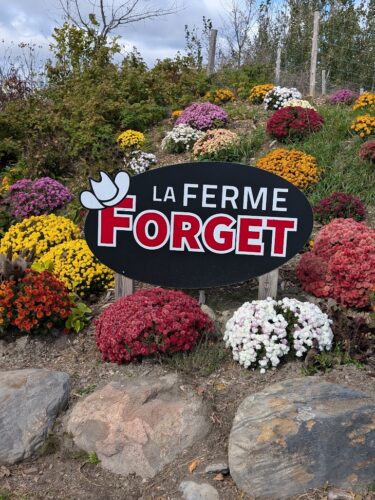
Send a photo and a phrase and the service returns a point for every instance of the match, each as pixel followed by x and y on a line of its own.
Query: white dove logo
pixel 106 193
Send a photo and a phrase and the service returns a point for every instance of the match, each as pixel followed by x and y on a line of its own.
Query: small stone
pixel 194 491
pixel 210 313
pixel 31 470
pixel 217 468
pixel 336 494
pixel 21 343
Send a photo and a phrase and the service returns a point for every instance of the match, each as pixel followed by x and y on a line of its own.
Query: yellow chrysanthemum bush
pixel 364 125
pixel 292 165
pixel 258 92
pixel 219 96
pixel 75 265
pixel 131 139
pixel 176 113
pixel 39 234
pixel 365 100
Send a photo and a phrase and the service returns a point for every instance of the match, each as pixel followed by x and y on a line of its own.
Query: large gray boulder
pixel 139 425
pixel 30 401
pixel 299 434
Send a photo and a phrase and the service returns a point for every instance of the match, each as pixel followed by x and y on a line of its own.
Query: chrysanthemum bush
pixel 258 92
pixel 139 162
pixel 343 96
pixel 203 116
pixel 275 98
pixel 131 139
pixel 180 139
pixel 38 233
pixel 149 322
pixel 262 332
pixel 367 151
pixel 341 264
pixel 301 103
pixel 28 197
pixel 294 123
pixel 214 144
pixel 365 101
pixel 338 205
pixel 35 303
pixel 219 96
pixel 76 266
pixel 295 166
pixel 364 125
pixel 176 113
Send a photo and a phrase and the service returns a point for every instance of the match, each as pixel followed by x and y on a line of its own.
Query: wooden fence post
pixel 211 52
pixel 314 53
pixel 123 286
pixel 278 66
pixel 268 285
pixel 324 82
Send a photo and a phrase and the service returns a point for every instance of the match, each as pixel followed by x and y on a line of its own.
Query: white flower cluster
pixel 140 161
pixel 181 138
pixel 302 103
pixel 261 332
pixel 275 98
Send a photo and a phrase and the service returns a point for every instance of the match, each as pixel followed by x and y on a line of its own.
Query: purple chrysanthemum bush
pixel 343 96
pixel 203 116
pixel 28 197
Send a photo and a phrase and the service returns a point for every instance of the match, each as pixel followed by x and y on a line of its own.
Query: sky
pixel 33 21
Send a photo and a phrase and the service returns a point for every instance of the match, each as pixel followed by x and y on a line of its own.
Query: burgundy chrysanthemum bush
pixel 294 123
pixel 203 116
pixel 28 197
pixel 367 151
pixel 148 322
pixel 338 205
pixel 343 96
pixel 341 264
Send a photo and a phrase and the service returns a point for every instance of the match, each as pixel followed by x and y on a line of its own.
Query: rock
pixel 300 434
pixel 139 425
pixel 194 491
pixel 335 494
pixel 221 467
pixel 30 400
pixel 210 313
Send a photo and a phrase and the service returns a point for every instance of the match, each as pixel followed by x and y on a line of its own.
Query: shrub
pixel 343 96
pixel 364 125
pixel 341 263
pixel 202 116
pixel 42 196
pixel 148 322
pixel 141 115
pixel 261 332
pixel 76 266
pixel 130 139
pixel 295 166
pixel 294 123
pixel 39 234
pixel 258 93
pixel 367 151
pixel 214 144
pixel 339 205
pixel 365 100
pixel 219 96
pixel 275 98
pixel 301 103
pixel 139 162
pixel 180 139
pixel 35 303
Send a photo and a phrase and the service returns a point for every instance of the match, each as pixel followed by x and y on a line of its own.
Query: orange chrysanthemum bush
pixel 341 264
pixel 364 125
pixel 258 93
pixel 294 166
pixel 35 303
pixel 365 101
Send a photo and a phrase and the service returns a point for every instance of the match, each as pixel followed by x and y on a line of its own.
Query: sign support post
pixel 268 285
pixel 123 286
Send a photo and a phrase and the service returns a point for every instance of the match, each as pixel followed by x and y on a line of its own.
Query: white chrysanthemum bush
pixel 278 96
pixel 262 332
pixel 302 103
pixel 139 161
pixel 180 139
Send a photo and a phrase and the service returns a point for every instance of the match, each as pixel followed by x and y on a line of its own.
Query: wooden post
pixel 211 52
pixel 324 82
pixel 314 53
pixel 202 297
pixel 123 286
pixel 268 285
pixel 278 66
pixel 361 90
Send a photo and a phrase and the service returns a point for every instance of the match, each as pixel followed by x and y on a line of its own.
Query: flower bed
pixel 202 116
pixel 339 205
pixel 258 92
pixel 214 144
pixel 149 322
pixel 295 166
pixel 343 96
pixel 261 332
pixel 294 123
pixel 275 98
pixel 180 139
pixel 364 125
pixel 367 151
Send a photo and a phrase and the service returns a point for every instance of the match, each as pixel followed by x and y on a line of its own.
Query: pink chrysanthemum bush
pixel 203 116
pixel 367 151
pixel 341 264
pixel 149 322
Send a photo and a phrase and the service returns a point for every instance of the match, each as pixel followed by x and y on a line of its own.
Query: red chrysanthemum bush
pixel 339 205
pixel 294 123
pixel 367 151
pixel 35 303
pixel 341 264
pixel 148 322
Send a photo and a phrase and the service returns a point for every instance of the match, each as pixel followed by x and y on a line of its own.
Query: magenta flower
pixel 343 96
pixel 203 116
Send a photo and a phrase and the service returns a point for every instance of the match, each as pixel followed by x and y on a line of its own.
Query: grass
pixel 50 445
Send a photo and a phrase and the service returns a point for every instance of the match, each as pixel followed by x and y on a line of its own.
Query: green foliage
pixel 244 78
pixel 50 445
pixel 79 316
pixel 91 458
pixel 141 115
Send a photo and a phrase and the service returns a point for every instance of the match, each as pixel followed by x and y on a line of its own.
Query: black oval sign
pixel 198 225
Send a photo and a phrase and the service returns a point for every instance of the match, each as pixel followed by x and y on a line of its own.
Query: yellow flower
pixel 364 125
pixel 176 113
pixel 258 92
pixel 220 95
pixel 295 166
pixel 5 184
pixel 76 266
pixel 131 139
pixel 365 100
